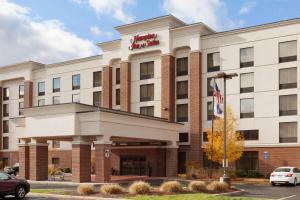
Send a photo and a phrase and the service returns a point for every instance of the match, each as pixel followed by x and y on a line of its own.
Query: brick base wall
pixel 81 163
pixel 13 157
pixel 38 162
pixel 64 156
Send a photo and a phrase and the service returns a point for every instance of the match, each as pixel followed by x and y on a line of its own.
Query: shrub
pixel 197 186
pixel 111 189
pixel 171 187
pixel 139 187
pixel 241 173
pixel 52 170
pixel 216 186
pixel 253 174
pixel 85 189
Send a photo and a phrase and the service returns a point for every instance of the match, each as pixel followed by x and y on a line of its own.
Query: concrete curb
pixel 234 193
pixel 70 197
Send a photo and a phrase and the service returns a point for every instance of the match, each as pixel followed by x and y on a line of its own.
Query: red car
pixel 12 185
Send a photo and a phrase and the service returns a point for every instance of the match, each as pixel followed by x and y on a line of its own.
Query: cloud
pixel 24 38
pixel 211 12
pixel 247 7
pixel 96 31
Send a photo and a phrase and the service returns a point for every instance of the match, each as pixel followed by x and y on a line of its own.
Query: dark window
pixel 288 105
pixel 41 102
pixel 56 84
pixel 117 97
pixel 288 78
pixel 97 99
pixel 182 165
pixel 183 137
pixel 182 66
pixel 147 110
pixel 55 144
pixel 247 83
pixel 5 143
pixel 249 134
pixel 5 126
pixel 5 110
pixel 5 94
pixel 147 92
pixel 247 108
pixel 76 82
pixel 21 106
pixel 55 161
pixel 117 76
pixel 146 70
pixel 41 88
pixel 182 90
pixel 213 62
pixel 21 91
pixel 56 100
pixel 248 161
pixel 287 51
pixel 246 57
pixel 288 132
pixel 97 79
pixel 210 88
pixel 210 110
pixel 205 138
pixel 182 113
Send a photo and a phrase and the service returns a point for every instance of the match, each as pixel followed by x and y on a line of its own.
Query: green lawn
pixel 190 197
pixel 50 191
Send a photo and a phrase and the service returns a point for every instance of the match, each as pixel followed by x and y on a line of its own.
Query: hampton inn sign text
pixel 143 41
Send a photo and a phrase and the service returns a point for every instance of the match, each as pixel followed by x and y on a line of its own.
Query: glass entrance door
pixel 133 165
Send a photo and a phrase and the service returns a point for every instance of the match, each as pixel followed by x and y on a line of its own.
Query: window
pixel 248 161
pixel 182 113
pixel 117 97
pixel 147 92
pixel 117 76
pixel 287 51
pixel 5 143
pixel 55 161
pixel 76 82
pixel 97 99
pixel 21 91
pixel 56 85
pixel 205 138
pixel 5 110
pixel 56 100
pixel 21 106
pixel 41 102
pixel 246 57
pixel 147 110
pixel 249 134
pixel 5 94
pixel 213 62
pixel 75 98
pixel 97 79
pixel 182 90
pixel 5 126
pixel 288 105
pixel 288 78
pixel 55 144
pixel 41 88
pixel 247 108
pixel 146 70
pixel 183 137
pixel 210 110
pixel 247 83
pixel 287 132
pixel 210 88
pixel 182 66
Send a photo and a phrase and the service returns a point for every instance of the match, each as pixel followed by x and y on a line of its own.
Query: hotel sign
pixel 143 41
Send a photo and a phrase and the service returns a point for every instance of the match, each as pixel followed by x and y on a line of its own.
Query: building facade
pixel 157 73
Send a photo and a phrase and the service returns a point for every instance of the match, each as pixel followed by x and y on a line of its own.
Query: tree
pixel 235 141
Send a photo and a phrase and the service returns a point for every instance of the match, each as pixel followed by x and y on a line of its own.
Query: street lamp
pixel 225 178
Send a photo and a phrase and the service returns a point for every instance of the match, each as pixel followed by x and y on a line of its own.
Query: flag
pixel 218 99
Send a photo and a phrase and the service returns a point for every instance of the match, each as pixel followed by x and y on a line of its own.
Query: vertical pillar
pixel 195 155
pixel 125 86
pixel 107 87
pixel 168 87
pixel 38 157
pixel 28 94
pixel 103 161
pixel 24 160
pixel 171 161
pixel 81 161
pixel 1 120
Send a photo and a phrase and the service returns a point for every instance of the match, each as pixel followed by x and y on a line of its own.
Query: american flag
pixel 219 100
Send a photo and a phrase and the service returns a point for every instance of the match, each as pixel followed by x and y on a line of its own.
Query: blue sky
pixel 54 30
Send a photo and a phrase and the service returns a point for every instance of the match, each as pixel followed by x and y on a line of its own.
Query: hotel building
pixel 144 105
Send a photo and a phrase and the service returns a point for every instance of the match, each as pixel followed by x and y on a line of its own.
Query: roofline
pixel 77 60
pixel 20 63
pixel 108 42
pixel 194 24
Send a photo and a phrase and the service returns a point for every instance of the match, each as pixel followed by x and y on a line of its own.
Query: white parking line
pixel 286 197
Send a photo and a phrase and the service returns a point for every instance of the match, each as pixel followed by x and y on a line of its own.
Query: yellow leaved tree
pixel 235 141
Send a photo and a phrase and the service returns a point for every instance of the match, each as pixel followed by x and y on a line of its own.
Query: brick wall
pixel 102 163
pixel 38 156
pixel 1 119
pixel 24 161
pixel 107 87
pixel 125 86
pixel 172 162
pixel 65 160
pixel 28 94
pixel 81 163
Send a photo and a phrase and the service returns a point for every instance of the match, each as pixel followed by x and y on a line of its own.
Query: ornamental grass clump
pixel 216 186
pixel 139 187
pixel 171 187
pixel 110 189
pixel 85 189
pixel 197 186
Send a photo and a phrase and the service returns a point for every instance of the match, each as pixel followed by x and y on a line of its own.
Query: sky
pixel 49 31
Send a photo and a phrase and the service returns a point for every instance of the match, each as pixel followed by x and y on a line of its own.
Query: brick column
pixel 24 160
pixel 107 87
pixel 28 94
pixel 1 119
pixel 195 154
pixel 38 157
pixel 171 162
pixel 81 162
pixel 125 86
pixel 168 87
pixel 102 163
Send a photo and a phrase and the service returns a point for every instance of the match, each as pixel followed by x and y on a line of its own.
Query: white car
pixel 285 175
